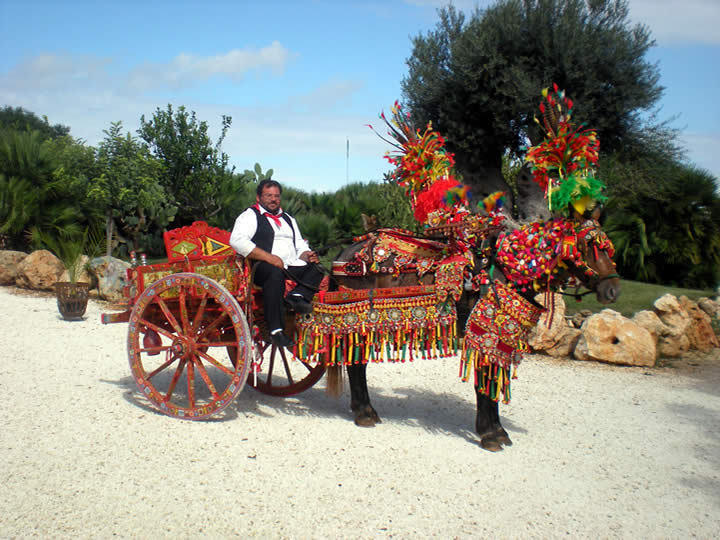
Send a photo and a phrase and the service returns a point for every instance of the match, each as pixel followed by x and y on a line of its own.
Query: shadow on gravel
pixel 437 413
pixel 706 450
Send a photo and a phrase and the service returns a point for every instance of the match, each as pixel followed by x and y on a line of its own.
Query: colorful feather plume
pixel 425 169
pixel 562 164
pixel 494 201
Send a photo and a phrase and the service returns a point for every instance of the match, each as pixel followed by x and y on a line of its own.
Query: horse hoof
pixel 502 437
pixel 364 421
pixel 490 444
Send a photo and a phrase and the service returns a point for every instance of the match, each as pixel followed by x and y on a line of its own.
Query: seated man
pixel 272 239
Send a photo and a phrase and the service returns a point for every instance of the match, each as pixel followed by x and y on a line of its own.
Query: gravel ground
pixel 600 451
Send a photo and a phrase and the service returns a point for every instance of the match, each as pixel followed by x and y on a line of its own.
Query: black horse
pixel 588 262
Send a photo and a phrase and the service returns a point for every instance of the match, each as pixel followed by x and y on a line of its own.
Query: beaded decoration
pixel 395 325
pixel 496 338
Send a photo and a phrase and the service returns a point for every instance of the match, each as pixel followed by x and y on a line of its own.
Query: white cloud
pixel 328 95
pixel 673 21
pixel 186 69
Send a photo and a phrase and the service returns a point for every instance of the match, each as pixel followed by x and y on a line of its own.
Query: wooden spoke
pixel 158 329
pixel 205 377
pixel 168 314
pixel 182 304
pixel 215 363
pixel 193 317
pixel 176 378
pixel 162 366
pixel 286 366
pixel 152 350
pixel 200 311
pixel 190 373
pixel 213 325
pixel 295 376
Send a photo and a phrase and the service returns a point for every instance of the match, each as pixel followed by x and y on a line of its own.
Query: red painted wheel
pixel 279 372
pixel 180 329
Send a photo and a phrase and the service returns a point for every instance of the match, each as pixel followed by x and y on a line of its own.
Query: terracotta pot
pixel 72 298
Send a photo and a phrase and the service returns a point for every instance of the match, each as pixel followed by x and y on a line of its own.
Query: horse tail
pixel 334 386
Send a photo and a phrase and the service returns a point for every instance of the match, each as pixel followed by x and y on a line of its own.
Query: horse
pixel 539 257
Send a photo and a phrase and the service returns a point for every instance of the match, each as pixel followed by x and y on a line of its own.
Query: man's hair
pixel 267 183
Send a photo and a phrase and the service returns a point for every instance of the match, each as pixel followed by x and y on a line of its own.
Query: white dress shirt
pixel 246 226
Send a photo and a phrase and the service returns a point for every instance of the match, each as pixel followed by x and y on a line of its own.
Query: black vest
pixel 265 235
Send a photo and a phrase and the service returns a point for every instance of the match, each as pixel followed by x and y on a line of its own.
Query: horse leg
pixel 484 423
pixel 500 434
pixel 365 415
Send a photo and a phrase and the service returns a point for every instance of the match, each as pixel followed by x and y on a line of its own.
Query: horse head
pixel 562 252
pixel 595 269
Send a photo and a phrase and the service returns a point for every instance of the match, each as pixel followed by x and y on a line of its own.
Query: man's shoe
pixel 281 340
pixel 298 304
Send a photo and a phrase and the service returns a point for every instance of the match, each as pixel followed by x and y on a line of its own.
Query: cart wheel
pixel 180 329
pixel 279 371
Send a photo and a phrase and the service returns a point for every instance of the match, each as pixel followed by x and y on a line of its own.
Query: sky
pixel 300 79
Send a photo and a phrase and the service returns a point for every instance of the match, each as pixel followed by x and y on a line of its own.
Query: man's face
pixel 269 199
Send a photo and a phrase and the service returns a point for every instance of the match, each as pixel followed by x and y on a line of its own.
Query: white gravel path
pixel 600 451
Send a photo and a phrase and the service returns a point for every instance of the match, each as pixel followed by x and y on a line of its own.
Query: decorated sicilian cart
pixel 196 330
pixel 197 334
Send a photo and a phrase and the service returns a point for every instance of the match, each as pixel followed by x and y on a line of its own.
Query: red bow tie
pixel 274 217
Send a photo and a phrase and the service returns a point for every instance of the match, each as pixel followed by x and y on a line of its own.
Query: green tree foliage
pixel 129 191
pixel 18 119
pixel 672 234
pixel 196 172
pixel 478 80
pixel 36 194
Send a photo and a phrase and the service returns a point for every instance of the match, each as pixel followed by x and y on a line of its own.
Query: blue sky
pixel 299 78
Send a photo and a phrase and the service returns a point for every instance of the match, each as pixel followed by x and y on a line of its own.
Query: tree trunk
pixel 108 235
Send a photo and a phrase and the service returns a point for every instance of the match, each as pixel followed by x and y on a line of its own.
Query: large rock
pixel 39 270
pixel 709 306
pixel 552 326
pixel 566 346
pixel 9 261
pixel 609 337
pixel 651 322
pixel 701 334
pixel 111 277
pixel 674 341
pixel 668 308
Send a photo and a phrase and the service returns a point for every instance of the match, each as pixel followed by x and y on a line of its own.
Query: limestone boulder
pixel 700 333
pixel 674 340
pixel 9 261
pixel 609 337
pixel 552 326
pixel 668 308
pixel 111 275
pixel 652 323
pixel 566 346
pixel 578 318
pixel 709 306
pixel 40 270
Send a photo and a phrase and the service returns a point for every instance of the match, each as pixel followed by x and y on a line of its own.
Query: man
pixel 272 239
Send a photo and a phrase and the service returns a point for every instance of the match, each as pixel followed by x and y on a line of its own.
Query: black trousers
pixel 272 280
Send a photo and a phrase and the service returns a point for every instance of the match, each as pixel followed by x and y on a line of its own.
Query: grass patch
pixel 635 296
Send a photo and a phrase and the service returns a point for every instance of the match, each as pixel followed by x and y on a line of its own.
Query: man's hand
pixel 262 255
pixel 309 256
pixel 275 260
